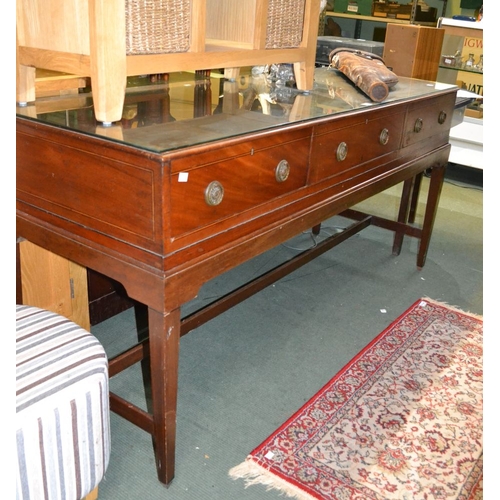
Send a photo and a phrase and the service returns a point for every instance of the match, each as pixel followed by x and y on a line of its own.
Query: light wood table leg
pixel 25 84
pixel 108 70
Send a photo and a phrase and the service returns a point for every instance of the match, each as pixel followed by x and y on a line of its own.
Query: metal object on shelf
pixel 325 44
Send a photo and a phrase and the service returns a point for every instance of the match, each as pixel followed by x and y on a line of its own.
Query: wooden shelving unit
pixel 79 38
pixel 466 139
pixel 360 19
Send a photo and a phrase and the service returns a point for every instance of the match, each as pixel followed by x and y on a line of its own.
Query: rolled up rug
pixel 366 70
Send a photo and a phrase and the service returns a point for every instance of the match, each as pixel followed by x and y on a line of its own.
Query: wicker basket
pixel 285 23
pixel 157 26
pixel 322 22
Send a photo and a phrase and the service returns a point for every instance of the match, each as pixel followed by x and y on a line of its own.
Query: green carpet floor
pixel 244 373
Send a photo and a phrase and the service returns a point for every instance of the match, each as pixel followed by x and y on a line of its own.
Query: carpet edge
pixel 453 308
pixel 253 473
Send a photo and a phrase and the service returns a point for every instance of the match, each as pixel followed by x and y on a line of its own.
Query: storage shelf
pixel 376 19
pixel 455 68
pixel 466 139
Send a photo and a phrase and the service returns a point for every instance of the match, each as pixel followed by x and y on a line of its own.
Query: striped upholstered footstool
pixel 62 407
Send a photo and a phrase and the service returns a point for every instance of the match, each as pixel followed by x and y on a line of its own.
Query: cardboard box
pixel 413 51
pixel 474 113
pixel 386 9
pixel 395 10
pixel 379 10
pixel 360 7
pixel 404 12
pixel 473 82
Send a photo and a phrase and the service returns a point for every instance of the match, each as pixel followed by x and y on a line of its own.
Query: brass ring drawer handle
pixel 282 171
pixel 419 123
pixel 214 193
pixel 342 151
pixel 442 117
pixel 384 137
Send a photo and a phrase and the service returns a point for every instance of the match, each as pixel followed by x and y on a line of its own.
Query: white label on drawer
pixel 183 176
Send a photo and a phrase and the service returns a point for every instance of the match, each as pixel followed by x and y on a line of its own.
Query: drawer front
pixel 212 192
pixel 429 119
pixel 336 150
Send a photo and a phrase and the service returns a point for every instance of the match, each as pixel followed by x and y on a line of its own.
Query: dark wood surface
pixel 106 296
pixel 122 212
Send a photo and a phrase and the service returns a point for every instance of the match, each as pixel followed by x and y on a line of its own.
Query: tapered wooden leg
pixel 414 197
pixel 301 107
pixel 316 229
pixel 435 186
pixel 164 335
pixel 25 84
pixel 404 208
pixel 304 75
pixel 231 73
pixel 108 67
pixel 25 80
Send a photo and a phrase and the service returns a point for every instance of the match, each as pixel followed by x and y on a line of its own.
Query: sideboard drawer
pixel 246 178
pixel 428 119
pixel 337 149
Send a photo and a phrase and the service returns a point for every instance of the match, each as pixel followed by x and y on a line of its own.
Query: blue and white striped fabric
pixel 62 407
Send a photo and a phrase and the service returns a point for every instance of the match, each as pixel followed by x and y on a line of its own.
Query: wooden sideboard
pixel 162 207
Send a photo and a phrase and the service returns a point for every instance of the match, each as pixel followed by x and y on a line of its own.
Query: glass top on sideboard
pixel 168 112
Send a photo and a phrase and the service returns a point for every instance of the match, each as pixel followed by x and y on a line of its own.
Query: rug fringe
pixel 453 308
pixel 252 473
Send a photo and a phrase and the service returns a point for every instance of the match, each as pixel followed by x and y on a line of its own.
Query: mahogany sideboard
pixel 170 198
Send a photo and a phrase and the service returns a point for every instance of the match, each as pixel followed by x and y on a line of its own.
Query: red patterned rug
pixel 403 420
